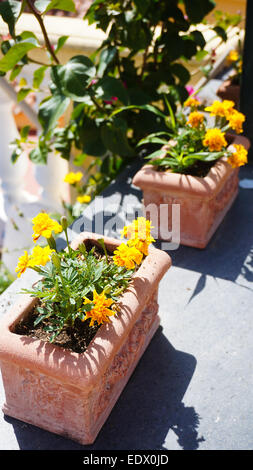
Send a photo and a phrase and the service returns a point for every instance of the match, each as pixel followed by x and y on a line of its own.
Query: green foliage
pixel 64 286
pixel 180 148
pixel 147 48
pixel 43 6
pixel 5 278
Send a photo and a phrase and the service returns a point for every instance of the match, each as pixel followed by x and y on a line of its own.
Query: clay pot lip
pixel 148 178
pixel 84 369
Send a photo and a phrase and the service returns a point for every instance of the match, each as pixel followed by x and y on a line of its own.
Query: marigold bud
pixel 64 222
pixel 56 260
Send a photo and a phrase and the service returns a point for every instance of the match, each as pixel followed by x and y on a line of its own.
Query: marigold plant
pixel 196 137
pixel 83 284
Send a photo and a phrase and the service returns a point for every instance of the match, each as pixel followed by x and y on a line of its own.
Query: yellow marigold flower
pixel 73 178
pixel 40 256
pixel 127 256
pixel 221 108
pixel 44 226
pixel 85 199
pixel 141 245
pixel 23 263
pixel 139 228
pixel 239 157
pixel 215 140
pixel 233 56
pixel 236 120
pixel 101 311
pixel 191 102
pixel 195 119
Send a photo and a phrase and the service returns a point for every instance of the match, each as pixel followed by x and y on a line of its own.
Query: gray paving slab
pixel 192 389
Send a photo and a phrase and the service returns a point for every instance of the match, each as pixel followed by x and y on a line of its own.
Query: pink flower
pixel 113 99
pixel 190 89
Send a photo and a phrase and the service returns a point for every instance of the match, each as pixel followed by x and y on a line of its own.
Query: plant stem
pixel 37 62
pixel 96 104
pixel 67 240
pixel 43 29
pixel 51 243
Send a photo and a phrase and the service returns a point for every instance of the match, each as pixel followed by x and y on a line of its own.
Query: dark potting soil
pixel 199 169
pixel 76 339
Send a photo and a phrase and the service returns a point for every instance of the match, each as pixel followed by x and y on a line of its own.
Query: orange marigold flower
pixel 236 120
pixel 141 245
pixel 215 140
pixel 23 264
pixel 40 256
pixel 44 226
pixel 191 102
pixel 239 157
pixel 85 199
pixel 127 256
pixel 73 178
pixel 233 56
pixel 140 227
pixel 195 119
pixel 221 108
pixel 101 311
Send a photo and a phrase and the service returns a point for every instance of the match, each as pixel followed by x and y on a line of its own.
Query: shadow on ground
pixel 150 406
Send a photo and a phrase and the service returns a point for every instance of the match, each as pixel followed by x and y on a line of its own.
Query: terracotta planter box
pixel 228 91
pixel 203 201
pixel 72 394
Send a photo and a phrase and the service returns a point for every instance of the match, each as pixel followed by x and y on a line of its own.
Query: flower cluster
pixel 238 157
pixel 39 257
pixel 100 311
pixel 225 109
pixel 214 139
pixel 197 136
pixel 139 238
pixel 80 283
pixel 195 119
pixel 73 178
pixel 43 226
pixel 82 199
pixel 234 60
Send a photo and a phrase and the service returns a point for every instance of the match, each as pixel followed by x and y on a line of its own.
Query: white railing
pixel 17 204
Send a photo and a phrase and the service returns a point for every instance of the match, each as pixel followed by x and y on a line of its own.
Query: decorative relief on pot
pixel 124 360
pixel 224 195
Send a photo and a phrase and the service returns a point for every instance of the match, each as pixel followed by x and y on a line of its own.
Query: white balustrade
pixel 50 178
pixel 17 205
pixel 12 175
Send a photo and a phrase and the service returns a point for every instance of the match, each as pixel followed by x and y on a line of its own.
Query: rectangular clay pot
pixel 203 201
pixel 72 394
